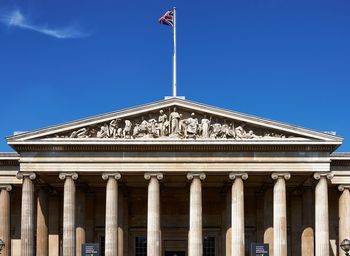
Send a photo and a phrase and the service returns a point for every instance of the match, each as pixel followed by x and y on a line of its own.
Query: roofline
pixel 253 119
pixel 23 134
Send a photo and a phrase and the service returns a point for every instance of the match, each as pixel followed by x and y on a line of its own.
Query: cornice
pixel 208 147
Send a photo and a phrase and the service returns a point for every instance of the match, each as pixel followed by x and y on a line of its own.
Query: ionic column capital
pixel 115 175
pixel 235 175
pixel 22 175
pixel 280 175
pixel 6 187
pixel 192 175
pixel 344 187
pixel 149 175
pixel 64 175
pixel 328 175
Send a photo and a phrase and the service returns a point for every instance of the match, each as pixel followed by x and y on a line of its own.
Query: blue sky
pixel 284 60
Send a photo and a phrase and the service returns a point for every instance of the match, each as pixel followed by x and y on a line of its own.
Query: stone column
pixel 307 236
pixel 27 219
pixel 80 223
pixel 69 213
pixel 321 214
pixel 111 228
pixel 154 240
pixel 237 214
pixel 344 215
pixel 280 214
pixel 42 225
pixel 195 236
pixel 5 218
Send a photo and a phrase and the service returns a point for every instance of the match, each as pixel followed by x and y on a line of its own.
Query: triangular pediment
pixel 172 120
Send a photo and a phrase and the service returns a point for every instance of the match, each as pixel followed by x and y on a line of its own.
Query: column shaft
pixel 344 216
pixel 321 218
pixel 5 219
pixel 80 222
pixel 280 215
pixel 153 219
pixel 69 217
pixel 111 229
pixel 195 239
pixel 237 217
pixel 27 219
pixel 42 230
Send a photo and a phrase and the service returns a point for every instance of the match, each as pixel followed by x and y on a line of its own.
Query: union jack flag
pixel 167 19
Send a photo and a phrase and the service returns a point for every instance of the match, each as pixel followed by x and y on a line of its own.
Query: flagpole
pixel 174 55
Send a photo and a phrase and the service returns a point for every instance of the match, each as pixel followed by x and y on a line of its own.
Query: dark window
pixel 209 246
pixel 102 245
pixel 141 246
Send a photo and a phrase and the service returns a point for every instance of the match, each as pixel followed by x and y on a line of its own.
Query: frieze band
pixel 176 125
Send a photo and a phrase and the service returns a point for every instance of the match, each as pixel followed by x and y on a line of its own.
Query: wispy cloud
pixel 17 19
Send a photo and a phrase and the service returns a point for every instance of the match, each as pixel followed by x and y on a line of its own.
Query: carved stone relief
pixel 177 124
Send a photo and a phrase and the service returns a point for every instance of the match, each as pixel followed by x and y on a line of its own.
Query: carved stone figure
pixel 240 132
pixel 225 131
pixel 92 133
pixel 205 126
pixel 179 125
pixel 174 121
pixel 103 132
pixel 191 126
pixel 127 129
pixel 143 127
pixel 215 130
pixel 81 133
pixel 161 128
pixel 152 128
pixel 113 128
pixel 251 135
pixel 136 131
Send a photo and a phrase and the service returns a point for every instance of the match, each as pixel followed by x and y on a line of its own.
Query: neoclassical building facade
pixel 174 177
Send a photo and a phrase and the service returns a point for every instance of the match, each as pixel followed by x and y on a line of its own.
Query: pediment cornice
pixel 173 121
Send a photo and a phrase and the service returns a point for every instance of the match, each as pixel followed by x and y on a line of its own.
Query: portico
pixel 137 186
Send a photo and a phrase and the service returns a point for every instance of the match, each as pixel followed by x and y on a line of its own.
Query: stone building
pixel 174 177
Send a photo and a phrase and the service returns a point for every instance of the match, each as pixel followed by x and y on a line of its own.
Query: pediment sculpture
pixel 177 124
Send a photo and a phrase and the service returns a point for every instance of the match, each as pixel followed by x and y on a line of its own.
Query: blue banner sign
pixel 90 250
pixel 259 249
